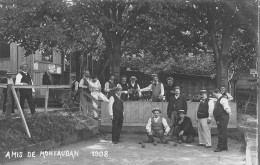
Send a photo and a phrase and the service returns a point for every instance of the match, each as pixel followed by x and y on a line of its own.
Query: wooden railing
pixel 85 98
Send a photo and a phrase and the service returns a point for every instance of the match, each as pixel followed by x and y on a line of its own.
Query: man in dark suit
pixel 116 111
pixel 185 131
pixel 169 89
pixel 7 80
pixel 176 103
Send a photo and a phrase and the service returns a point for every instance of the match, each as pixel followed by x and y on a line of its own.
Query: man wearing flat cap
pixel 221 113
pixel 116 111
pixel 184 129
pixel 157 127
pixel 8 80
pixel 24 78
pixel 204 114
pixel 134 89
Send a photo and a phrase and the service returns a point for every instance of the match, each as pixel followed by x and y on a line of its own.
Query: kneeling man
pixel 157 127
pixel 185 131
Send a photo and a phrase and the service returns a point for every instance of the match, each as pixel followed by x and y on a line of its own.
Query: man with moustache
pixel 116 111
pixel 24 78
pixel 204 114
pixel 134 89
pixel 221 113
pixel 176 103
pixel 110 86
pixel 169 89
pixel 124 86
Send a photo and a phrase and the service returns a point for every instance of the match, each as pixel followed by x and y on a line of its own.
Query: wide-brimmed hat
pixel 9 73
pixel 203 91
pixel 181 111
pixel 133 78
pixel 156 109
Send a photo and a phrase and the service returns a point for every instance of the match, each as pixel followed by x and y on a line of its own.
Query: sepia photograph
pixel 129 82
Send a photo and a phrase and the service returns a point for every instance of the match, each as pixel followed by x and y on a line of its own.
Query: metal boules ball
pixel 143 145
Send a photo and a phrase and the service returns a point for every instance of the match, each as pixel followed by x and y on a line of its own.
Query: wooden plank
pixel 135 112
pixel 140 112
pixel 147 111
pixel 9 102
pixel 127 105
pixel 21 112
pixel 46 100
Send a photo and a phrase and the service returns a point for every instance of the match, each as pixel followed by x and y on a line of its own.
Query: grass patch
pixel 47 127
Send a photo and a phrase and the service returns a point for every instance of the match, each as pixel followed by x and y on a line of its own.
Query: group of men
pixel 180 123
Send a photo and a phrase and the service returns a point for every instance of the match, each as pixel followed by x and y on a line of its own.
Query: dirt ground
pixel 129 152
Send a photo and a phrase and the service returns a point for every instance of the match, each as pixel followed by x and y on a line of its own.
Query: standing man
pixel 124 86
pixel 157 127
pixel 185 131
pixel 116 111
pixel 24 78
pixel 221 113
pixel 8 80
pixel 176 103
pixel 204 114
pixel 74 88
pixel 225 93
pixel 110 86
pixel 169 89
pixel 134 89
pixel 157 89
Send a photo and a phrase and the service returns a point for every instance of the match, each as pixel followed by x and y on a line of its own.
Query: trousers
pixel 204 132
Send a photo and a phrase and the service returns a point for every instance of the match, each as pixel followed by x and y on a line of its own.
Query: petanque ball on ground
pixel 143 145
pixel 174 144
pixel 140 142
pixel 154 143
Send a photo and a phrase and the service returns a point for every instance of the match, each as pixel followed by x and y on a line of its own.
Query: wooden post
pixel 9 101
pixel 46 100
pixel 21 112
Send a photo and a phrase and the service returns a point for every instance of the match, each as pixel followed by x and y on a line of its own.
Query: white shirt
pixel 19 78
pixel 76 85
pixel 211 108
pixel 110 105
pixel 91 84
pixel 225 104
pixel 107 89
pixel 165 125
pixel 95 86
pixel 229 96
pixel 10 81
pixel 149 88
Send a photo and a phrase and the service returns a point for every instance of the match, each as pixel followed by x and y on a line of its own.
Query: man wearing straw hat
pixel 116 111
pixel 8 80
pixel 24 78
pixel 134 89
pixel 157 127
pixel 204 114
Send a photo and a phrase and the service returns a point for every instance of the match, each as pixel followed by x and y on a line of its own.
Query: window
pixel 47 55
pixel 4 50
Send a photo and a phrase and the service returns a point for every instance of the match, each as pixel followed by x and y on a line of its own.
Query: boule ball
pixel 143 145
pixel 140 142
pixel 174 144
pixel 154 143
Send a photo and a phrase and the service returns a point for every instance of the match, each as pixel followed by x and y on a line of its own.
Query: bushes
pixel 48 127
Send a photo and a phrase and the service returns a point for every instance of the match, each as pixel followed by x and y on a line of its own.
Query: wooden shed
pixel 12 55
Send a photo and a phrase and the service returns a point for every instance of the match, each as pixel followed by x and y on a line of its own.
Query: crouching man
pixel 157 127
pixel 185 131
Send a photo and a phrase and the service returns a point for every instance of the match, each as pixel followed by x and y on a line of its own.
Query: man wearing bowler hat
pixel 157 127
pixel 116 111
pixel 204 114
pixel 8 80
pixel 24 78
pixel 185 131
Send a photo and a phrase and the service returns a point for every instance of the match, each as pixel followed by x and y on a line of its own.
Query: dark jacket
pixel 177 104
pixel 186 126
pixel 167 90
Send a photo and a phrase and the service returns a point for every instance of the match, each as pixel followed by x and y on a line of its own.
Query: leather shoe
pixel 115 142
pixel 200 144
pixel 207 146
pixel 217 150
pixel 179 141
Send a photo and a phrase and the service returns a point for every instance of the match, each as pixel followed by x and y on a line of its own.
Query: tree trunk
pixel 116 57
